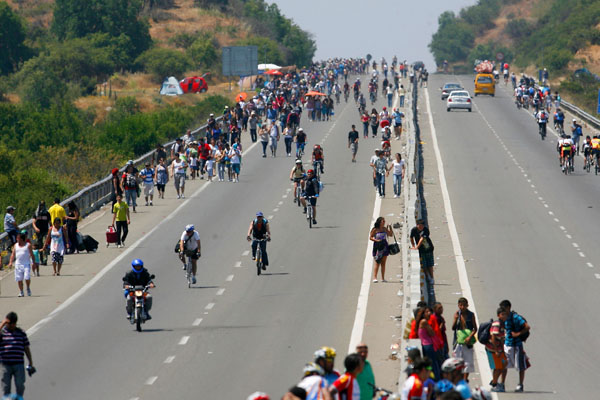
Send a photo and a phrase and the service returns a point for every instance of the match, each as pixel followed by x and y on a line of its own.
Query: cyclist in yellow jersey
pixel 596 148
pixel 298 174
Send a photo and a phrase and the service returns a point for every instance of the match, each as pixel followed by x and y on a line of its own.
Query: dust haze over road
pixel 363 22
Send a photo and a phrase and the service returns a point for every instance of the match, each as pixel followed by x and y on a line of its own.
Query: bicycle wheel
pixel 596 167
pixel 258 261
pixel 309 215
pixel 188 272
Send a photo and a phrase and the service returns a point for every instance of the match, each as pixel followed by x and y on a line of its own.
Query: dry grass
pixel 589 58
pixel 38 11
pixel 525 9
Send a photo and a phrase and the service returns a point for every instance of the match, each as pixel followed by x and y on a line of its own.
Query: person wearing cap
pixel 235 157
pixel 57 211
pixel 259 233
pixel 190 246
pixel 147 175
pixel 10 224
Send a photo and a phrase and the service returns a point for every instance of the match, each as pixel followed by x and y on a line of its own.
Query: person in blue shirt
pixel 147 174
pixel 516 330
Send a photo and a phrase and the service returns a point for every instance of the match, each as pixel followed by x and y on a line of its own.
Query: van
pixel 485 84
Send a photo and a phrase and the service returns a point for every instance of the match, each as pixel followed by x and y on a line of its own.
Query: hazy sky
pixel 351 28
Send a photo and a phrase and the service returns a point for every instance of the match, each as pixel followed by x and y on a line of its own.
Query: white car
pixel 459 99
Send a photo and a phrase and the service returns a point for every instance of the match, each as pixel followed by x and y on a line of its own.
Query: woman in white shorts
pixel 22 257
pixel 58 242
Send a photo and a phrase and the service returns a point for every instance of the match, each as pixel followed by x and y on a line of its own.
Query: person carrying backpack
pixel 517 331
pixel 491 335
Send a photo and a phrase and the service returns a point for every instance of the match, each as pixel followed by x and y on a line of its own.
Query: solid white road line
pixel 183 341
pixel 482 362
pixel 111 265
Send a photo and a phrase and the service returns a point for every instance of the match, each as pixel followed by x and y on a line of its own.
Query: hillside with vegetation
pixel 560 35
pixel 79 81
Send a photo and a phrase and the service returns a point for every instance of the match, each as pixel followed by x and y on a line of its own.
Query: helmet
pixel 258 396
pixel 453 364
pixel 298 161
pixel 235 145
pixel 384 108
pixel 443 386
pixel 481 394
pixel 310 171
pixel 259 214
pixel 137 263
pixel 300 130
pixel 189 228
pixel 312 368
pixel 325 352
pixel 317 146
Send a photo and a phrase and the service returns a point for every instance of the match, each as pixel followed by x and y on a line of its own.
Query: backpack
pixel 483 333
pixel 524 336
pixel 131 180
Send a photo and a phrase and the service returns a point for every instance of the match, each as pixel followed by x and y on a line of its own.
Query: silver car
pixel 459 99
pixel 449 87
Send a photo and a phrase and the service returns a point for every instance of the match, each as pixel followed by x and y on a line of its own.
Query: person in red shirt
pixel 413 388
pixel 346 386
pixel 203 153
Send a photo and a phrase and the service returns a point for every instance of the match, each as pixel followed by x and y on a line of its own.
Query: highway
pixel 528 232
pixel 234 333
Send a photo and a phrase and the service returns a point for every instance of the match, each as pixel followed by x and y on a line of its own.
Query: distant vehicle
pixel 449 87
pixel 485 84
pixel 194 84
pixel 460 99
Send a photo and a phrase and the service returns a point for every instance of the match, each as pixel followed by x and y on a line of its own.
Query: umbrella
pixel 315 93
pixel 241 96
pixel 273 72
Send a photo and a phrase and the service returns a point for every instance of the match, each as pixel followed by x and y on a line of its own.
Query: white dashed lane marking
pixel 151 380
pixel 209 306
pixel 245 253
pixel 590 265
pixel 238 264
pixel 581 254
pixel 220 292
pixel 183 341
pixel 197 322
pixel 597 276
pixel 575 245
pixel 229 278
pixel 169 360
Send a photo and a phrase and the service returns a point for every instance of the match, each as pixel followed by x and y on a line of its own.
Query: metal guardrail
pixel 90 198
pixel 583 115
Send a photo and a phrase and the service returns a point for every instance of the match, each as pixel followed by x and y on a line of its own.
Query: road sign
pixel 499 56
pixel 240 60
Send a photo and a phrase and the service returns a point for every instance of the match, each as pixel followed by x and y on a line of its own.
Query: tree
pixel 268 50
pixel 163 62
pixel 12 35
pixel 203 52
pixel 77 18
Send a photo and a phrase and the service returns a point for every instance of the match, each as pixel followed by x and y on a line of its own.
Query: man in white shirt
pixel 189 246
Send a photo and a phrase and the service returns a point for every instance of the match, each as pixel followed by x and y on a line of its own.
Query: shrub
pixel 161 63
pixel 203 52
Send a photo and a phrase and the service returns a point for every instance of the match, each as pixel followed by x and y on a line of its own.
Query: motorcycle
pixel 138 293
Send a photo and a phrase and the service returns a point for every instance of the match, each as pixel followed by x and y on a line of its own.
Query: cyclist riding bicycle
pixel 587 151
pixel 542 120
pixel 297 175
pixel 300 142
pixel 259 233
pixel 559 120
pixel 565 147
pixel 318 159
pixel 311 192
pixel 596 148
pixel 189 246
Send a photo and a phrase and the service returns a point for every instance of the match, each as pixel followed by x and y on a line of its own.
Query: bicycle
pixel 309 210
pixel 542 130
pixel 299 150
pixel 317 167
pixel 298 193
pixel 568 165
pixel 189 273
pixel 259 259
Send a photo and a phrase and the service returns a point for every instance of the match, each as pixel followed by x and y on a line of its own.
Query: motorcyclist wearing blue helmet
pixel 138 276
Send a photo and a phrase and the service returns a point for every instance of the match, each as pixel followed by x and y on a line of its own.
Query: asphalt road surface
pixel 234 333
pixel 529 234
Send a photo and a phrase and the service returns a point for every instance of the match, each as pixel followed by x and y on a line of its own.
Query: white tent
pixel 266 67
pixel 170 87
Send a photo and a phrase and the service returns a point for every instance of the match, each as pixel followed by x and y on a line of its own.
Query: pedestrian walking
pixel 161 177
pixel 516 332
pixel 58 244
pixel 366 379
pixel 116 187
pixel 57 211
pixel 401 95
pixel 378 235
pixel 14 346
pixel 420 240
pixel 72 222
pixel 147 175
pixel 178 167
pixel 121 220
pixel 41 225
pixel 381 171
pixel 465 328
pixel 364 118
pixel 129 182
pixel 274 135
pixel 235 157
pixel 253 123
pixel 10 224
pixel 288 139
pixel 22 257
pixel 264 139
pixel 353 142
pixel 399 167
